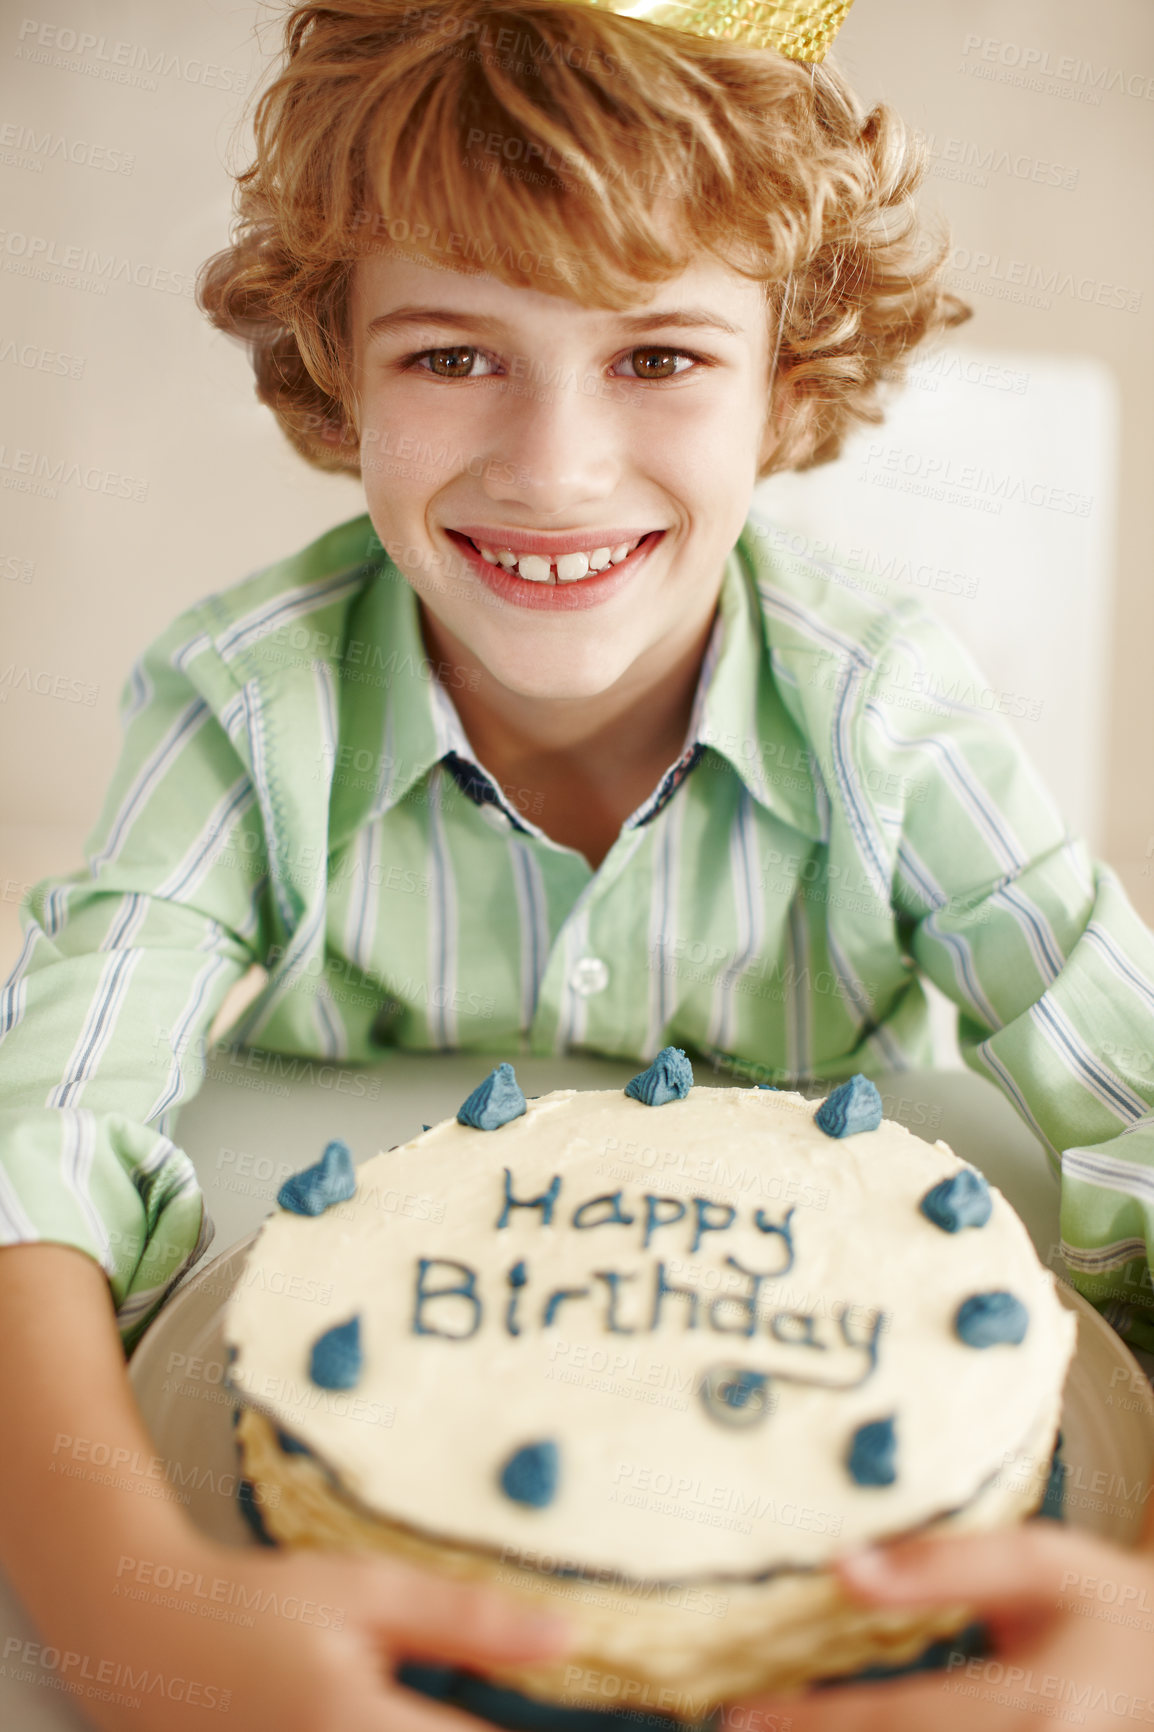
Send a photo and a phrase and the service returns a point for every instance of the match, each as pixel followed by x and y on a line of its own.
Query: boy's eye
pixel 457 362
pixel 447 363
pixel 657 363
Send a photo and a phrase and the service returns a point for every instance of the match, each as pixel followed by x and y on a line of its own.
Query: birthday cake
pixel 652 1358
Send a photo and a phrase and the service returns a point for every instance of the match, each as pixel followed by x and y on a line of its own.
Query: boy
pixel 546 752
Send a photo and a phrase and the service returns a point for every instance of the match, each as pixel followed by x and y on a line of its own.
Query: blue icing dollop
pixel 291 1445
pixel 494 1102
pixel 331 1180
pixel 668 1078
pixel 736 1395
pixel 531 1474
pixel 873 1453
pixel 963 1201
pixel 336 1359
pixel 989 1319
pixel 855 1106
pixel 740 1389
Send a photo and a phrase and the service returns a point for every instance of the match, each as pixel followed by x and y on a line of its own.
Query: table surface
pixel 260 1117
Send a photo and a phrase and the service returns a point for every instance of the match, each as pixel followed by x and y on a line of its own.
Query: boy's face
pixel 544 416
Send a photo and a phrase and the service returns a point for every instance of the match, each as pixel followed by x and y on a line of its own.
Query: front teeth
pixel 570 567
pixel 534 568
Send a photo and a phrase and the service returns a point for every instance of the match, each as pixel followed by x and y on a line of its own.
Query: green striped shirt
pixel 296 789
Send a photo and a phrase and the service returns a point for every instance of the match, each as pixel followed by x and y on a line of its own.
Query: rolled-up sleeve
pixel 1036 942
pixel 122 970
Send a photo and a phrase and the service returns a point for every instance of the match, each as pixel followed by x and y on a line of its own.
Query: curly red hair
pixel 625 151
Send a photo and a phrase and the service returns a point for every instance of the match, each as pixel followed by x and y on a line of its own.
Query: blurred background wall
pixel 118 125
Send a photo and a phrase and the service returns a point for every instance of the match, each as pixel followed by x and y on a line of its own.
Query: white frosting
pixel 651 1484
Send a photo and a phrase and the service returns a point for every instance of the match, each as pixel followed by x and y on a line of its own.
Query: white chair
pixel 989 492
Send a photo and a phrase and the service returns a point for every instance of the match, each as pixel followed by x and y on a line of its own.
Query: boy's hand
pixel 311 1645
pixel 1071 1620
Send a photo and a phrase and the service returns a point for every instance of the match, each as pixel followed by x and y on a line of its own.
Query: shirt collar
pixel 745 719
pixel 738 713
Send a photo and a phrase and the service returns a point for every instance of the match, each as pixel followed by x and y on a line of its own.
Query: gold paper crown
pixel 801 29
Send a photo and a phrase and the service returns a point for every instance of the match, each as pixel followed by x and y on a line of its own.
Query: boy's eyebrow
pixel 685 318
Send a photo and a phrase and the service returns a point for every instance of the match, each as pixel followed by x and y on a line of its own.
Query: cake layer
pixel 675 1648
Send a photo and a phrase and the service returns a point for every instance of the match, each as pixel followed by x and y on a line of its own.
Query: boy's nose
pixel 551 443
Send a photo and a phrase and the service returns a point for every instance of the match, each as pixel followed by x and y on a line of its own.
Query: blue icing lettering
pixel 869 1341
pixel 795 1329
pixel 963 1201
pixel 614 1215
pixel 736 1396
pixel 557 1298
pixel 291 1445
pixel 663 1289
pixel 331 1180
pixel 517 1278
pixel 545 1202
pixel 653 1219
pixel 701 1207
pixel 613 1279
pixel 992 1319
pixel 336 1358
pixel 784 1228
pixel 746 1303
pixel 465 1289
pixel 872 1456
pixel 531 1474
pixel 494 1102
pixel 855 1106
pixel 668 1078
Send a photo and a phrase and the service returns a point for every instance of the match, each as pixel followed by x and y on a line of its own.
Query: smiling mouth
pixel 559 568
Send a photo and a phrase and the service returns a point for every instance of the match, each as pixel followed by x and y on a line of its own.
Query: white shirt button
pixel 590 975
